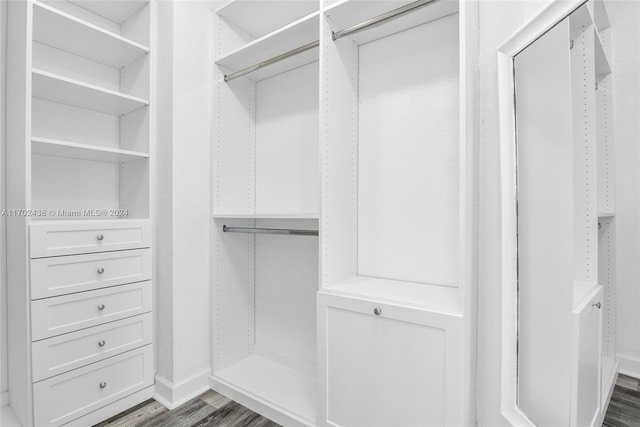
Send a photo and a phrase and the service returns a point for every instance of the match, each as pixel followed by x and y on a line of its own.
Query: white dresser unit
pixel 80 289
pixel 362 135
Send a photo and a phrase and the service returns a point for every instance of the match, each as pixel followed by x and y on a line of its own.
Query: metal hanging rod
pixel 271 61
pixel 282 231
pixel 381 19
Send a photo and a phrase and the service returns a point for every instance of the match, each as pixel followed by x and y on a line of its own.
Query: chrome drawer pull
pixel 100 270
pixel 99 237
pixel 101 307
pixel 377 311
pixel 101 343
pixel 103 384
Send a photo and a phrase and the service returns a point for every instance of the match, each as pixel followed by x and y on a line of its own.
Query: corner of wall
pixel 173 395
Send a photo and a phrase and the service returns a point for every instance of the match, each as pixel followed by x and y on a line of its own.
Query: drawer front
pixel 63 353
pixel 63 398
pixel 54 238
pixel 68 313
pixel 68 274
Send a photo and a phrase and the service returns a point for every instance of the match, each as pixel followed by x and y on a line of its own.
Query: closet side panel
pixel 408 155
pixel 545 226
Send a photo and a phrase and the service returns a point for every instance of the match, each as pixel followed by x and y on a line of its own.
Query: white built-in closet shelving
pixel 367 142
pixel 79 152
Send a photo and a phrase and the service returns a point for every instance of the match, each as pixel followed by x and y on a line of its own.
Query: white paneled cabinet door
pixel 385 365
pixel 588 332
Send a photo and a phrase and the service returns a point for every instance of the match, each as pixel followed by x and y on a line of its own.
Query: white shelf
pixel 116 11
pixel 269 216
pixel 258 18
pixel 346 13
pixel 441 299
pixel 603 66
pixel 606 214
pixel 285 388
pixel 294 35
pixel 57 148
pixel 63 90
pixel 583 292
pixel 70 34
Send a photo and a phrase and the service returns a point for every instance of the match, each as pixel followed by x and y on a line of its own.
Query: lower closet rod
pixel 284 231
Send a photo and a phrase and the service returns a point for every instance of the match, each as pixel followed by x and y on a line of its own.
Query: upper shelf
pixel 292 36
pixel 269 216
pixel 258 17
pixel 116 11
pixel 72 150
pixel 347 13
pixel 68 33
pixel 67 91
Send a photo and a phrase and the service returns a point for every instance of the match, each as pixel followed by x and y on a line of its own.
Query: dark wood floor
pixel 214 409
pixel 208 409
pixel 624 409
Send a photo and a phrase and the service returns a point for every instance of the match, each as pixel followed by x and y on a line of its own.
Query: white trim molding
pixel 523 37
pixel 173 395
pixel 629 365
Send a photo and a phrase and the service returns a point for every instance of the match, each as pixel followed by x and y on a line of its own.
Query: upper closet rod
pixel 381 19
pixel 287 232
pixel 271 61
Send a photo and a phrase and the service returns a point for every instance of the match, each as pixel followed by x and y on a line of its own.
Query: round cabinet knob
pixel 377 311
pixel 101 343
pixel 596 304
pixel 101 307
pixel 103 384
pixel 99 237
pixel 100 270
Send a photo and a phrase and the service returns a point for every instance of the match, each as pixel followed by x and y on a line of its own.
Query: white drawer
pixel 75 273
pixel 63 353
pixel 68 396
pixel 68 313
pixel 53 238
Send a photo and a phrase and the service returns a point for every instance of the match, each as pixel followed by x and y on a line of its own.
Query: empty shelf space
pixel 293 36
pixel 116 11
pixel 70 34
pixel 57 148
pixel 258 17
pixel 291 391
pixel 312 215
pixel 67 91
pixel 603 66
pixel 441 299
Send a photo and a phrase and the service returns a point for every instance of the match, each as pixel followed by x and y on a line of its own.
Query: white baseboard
pixel 173 395
pixel 4 398
pixel 629 365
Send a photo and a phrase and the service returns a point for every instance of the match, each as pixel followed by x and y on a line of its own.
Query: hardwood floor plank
pixel 136 415
pixel 215 399
pixel 186 415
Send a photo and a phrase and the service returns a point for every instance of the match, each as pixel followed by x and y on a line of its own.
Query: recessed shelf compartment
pixel 57 148
pixel 116 11
pixel 286 388
pixel 442 299
pixel 65 32
pixel 347 13
pixel 293 36
pixel 63 90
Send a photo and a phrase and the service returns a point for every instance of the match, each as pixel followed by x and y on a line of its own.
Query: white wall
pixel 624 17
pixel 3 283
pixel 498 21
pixel 182 201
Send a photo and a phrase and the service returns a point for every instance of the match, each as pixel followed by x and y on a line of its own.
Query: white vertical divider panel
pixel 339 155
pixel 233 293
pixel 585 196
pixel 18 172
pixel 234 144
pixel 545 226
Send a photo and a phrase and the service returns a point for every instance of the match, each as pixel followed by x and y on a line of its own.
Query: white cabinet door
pixel 587 364
pixel 384 366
